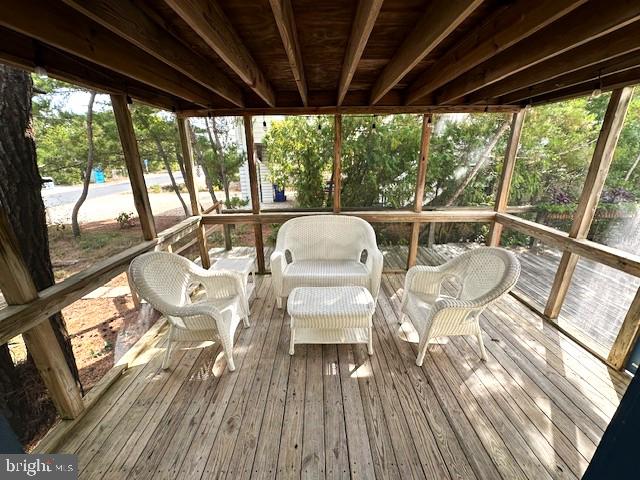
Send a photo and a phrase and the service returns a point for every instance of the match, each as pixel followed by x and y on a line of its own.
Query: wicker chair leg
pixel 422 351
pixel 245 321
pixel 167 351
pixel 370 342
pixel 483 352
pixel 230 363
pixel 279 302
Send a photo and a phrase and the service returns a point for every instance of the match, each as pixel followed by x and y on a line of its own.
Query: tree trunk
pixel 478 166
pixel 87 172
pixel 632 169
pixel 22 392
pixel 205 169
pixel 218 147
pixel 167 165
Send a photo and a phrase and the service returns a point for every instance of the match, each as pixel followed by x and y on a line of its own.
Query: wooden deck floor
pixel 535 410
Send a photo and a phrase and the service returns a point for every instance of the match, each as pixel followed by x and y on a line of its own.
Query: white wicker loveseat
pixel 480 277
pixel 325 251
pixel 165 280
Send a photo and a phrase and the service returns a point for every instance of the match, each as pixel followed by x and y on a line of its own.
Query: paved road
pixel 68 194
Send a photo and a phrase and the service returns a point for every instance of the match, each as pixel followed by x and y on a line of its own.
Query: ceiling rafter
pixel 208 20
pixel 285 20
pixel 363 23
pixel 590 73
pixel 615 44
pixel 96 44
pixel 593 20
pixel 438 21
pixel 505 27
pixel 126 19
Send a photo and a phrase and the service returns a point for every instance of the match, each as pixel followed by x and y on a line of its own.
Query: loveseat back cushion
pixel 328 237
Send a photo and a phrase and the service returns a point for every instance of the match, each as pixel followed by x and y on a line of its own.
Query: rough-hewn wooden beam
pixel 508 165
pixel 609 82
pixel 615 44
pixel 134 165
pixel 570 31
pixel 347 110
pixel 127 19
pixel 18 288
pixel 58 25
pixel 502 29
pixel 363 23
pixel 627 336
pixel 208 20
pixel 592 73
pixel 285 20
pixel 593 185
pixel 437 22
pixel 255 196
pixel 421 178
pixel 337 163
pixel 187 155
pixel 23 52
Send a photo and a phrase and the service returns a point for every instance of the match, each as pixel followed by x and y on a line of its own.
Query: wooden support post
pixel 18 288
pixel 427 127
pixel 596 176
pixel 627 336
pixel 187 155
pixel 134 165
pixel 337 162
pixel 226 230
pixel 255 198
pixel 504 187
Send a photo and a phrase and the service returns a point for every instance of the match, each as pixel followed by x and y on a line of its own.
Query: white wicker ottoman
pixel 331 315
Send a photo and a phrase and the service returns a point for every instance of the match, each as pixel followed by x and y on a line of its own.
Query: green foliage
pixel 299 152
pixel 126 219
pixel 379 164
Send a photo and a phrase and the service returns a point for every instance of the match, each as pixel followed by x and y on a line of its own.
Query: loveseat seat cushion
pixel 324 273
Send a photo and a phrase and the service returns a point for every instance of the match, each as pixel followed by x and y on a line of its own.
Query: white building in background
pixel 265 189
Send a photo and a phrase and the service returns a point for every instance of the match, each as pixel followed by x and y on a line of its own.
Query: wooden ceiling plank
pixel 605 83
pixel 285 20
pixel 208 20
pixel 56 24
pixel 126 19
pixel 363 23
pixel 439 20
pixel 616 44
pixel 592 20
pixel 504 28
pixel 590 73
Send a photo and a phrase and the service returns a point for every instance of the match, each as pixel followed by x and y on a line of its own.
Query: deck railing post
pixel 255 197
pixel 425 138
pixel 187 155
pixel 134 165
pixel 18 288
pixel 337 162
pixel 627 336
pixel 504 187
pixel 593 185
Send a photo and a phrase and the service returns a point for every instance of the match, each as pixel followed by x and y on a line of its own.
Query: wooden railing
pixel 17 319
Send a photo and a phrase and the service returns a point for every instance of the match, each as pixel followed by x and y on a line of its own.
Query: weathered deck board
pixel 536 409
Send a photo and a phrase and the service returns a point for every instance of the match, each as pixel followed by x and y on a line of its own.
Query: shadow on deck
pixel 536 409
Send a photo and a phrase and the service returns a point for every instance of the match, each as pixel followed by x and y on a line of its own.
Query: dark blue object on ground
pixel 278 194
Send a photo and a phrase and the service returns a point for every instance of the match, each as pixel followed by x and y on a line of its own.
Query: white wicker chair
pixel 165 280
pixel 325 251
pixel 480 276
